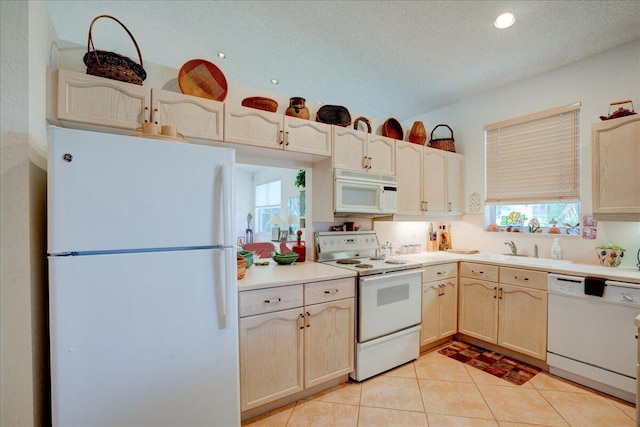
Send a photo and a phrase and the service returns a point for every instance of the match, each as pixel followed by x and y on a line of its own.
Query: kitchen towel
pixel 594 286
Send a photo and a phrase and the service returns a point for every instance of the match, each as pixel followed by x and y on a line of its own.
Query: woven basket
pixel 446 144
pixel 111 65
pixel 334 115
pixel 242 267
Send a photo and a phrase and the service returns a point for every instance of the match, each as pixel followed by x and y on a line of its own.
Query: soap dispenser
pixel 556 250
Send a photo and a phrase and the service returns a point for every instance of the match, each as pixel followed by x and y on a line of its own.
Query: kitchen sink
pixel 518 259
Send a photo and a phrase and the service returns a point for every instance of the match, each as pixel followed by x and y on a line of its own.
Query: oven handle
pixel 389 337
pixel 393 274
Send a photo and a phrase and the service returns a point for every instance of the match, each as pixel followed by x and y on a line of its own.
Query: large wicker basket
pixel 111 65
pixel 446 144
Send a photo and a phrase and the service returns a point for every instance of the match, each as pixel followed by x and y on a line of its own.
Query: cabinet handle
pixel 155 115
pixel 477 272
pixel 495 292
pixel 426 206
pixel 301 321
pixel 269 301
pixel 286 138
pixel 449 203
pixel 521 278
pixel 500 293
pixel 145 114
pixel 331 291
pixel 364 162
pixel 369 163
pixel 281 138
pixel 308 317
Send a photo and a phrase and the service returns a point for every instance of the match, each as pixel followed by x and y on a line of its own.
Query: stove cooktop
pixel 374 265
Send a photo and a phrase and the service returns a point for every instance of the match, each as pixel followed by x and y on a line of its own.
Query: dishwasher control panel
pixel 614 292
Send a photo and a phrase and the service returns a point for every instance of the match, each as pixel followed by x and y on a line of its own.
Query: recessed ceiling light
pixel 221 55
pixel 504 21
pixel 274 81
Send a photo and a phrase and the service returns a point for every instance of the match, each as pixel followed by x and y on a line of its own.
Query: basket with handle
pixel 446 144
pixel 111 65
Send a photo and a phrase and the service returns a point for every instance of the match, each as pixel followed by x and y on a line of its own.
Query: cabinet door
pixel 99 101
pixel 430 327
pixel 434 181
pixel 244 125
pixel 349 149
pixel 382 154
pixel 305 136
pixel 329 340
pixel 448 308
pixel 478 309
pixel 271 356
pixel 194 117
pixel 454 184
pixel 523 320
pixel 616 176
pixel 409 178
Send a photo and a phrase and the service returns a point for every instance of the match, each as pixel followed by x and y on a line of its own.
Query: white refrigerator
pixel 142 282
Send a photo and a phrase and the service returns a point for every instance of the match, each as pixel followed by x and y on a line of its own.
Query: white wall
pixel 245 201
pixel 595 82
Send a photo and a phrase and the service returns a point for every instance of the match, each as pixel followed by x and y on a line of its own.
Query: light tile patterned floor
pixel 436 391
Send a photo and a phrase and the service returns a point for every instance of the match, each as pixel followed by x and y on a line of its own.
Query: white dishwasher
pixel 591 338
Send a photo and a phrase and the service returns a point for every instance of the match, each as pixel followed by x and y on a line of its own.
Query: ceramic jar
pixel 418 134
pixel 297 108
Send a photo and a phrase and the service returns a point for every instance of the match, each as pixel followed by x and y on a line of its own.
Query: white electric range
pixel 388 297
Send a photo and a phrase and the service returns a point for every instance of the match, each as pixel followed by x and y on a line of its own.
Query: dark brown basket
pixel 446 144
pixel 334 115
pixel 111 65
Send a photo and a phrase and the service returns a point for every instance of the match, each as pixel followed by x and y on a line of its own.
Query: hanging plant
pixel 300 178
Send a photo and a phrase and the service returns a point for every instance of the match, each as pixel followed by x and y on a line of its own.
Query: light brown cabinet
pixel 429 181
pixel 249 126
pixel 86 101
pixel 284 350
pixel 364 152
pixel 504 306
pixel 439 302
pixel 615 172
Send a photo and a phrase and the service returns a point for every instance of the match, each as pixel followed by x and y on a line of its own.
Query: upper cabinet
pixel 84 100
pixel 429 181
pixel 249 126
pixel 615 171
pixel 360 151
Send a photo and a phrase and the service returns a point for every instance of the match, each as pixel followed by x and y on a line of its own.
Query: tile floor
pixel 436 391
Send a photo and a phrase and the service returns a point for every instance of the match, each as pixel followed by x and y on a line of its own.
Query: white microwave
pixel 364 193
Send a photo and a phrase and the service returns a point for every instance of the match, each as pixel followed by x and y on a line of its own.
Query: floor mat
pixel 493 363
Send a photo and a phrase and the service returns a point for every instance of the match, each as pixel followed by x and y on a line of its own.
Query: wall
pixel 24 384
pixel 245 200
pixel 595 82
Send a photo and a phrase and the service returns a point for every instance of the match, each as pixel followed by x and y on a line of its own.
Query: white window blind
pixel 534 158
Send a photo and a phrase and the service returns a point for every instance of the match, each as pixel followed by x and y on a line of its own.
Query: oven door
pixel 388 303
pixel 358 197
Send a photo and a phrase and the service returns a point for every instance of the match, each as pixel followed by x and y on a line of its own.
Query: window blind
pixel 534 158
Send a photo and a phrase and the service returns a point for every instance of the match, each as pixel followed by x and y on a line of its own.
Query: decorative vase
pixel 299 247
pixel 297 108
pixel 418 134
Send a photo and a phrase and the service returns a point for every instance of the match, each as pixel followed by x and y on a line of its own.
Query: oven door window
pixel 388 303
pixel 356 197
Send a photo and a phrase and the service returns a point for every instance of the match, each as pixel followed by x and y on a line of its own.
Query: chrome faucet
pixel 513 247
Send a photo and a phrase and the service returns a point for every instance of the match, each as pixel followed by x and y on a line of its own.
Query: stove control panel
pixel 340 241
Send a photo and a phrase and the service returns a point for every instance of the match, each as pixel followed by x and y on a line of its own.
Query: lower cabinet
pixel 284 350
pixel 439 302
pixel 504 306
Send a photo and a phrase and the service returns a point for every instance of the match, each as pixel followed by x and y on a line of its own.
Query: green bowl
pixel 284 259
pixel 248 256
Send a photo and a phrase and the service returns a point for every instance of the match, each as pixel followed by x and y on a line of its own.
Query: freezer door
pixel 112 192
pixel 136 339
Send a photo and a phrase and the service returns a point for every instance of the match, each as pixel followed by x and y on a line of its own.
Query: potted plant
pixel 300 179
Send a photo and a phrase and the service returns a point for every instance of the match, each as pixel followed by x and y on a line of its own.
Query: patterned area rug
pixel 491 362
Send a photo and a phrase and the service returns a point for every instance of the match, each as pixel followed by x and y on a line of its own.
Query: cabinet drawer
pixel 526 278
pixel 272 299
pixel 432 273
pixel 329 290
pixel 479 271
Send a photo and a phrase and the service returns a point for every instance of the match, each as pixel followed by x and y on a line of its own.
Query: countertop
pixel 631 275
pixel 257 276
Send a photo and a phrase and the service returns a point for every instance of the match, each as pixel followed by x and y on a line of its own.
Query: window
pixel 268 204
pixel 532 166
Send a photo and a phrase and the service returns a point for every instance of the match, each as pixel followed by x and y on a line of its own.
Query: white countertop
pixel 631 275
pixel 267 276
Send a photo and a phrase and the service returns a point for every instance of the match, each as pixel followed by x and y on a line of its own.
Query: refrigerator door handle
pixel 224 179
pixel 224 278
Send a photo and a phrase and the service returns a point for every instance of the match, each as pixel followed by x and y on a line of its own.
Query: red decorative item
pixel 300 248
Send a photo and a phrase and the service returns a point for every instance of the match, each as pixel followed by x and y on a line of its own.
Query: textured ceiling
pixel 378 58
